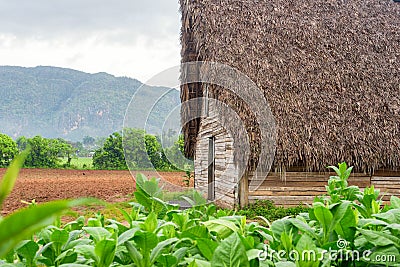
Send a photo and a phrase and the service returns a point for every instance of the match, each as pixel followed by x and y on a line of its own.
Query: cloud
pixel 123 37
pixel 58 17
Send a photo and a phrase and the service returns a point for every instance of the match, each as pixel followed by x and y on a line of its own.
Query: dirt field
pixel 46 184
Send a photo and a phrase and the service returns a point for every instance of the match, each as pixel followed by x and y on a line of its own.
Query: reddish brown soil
pixel 48 184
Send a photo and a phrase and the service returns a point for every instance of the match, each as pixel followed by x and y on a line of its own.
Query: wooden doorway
pixel 211 168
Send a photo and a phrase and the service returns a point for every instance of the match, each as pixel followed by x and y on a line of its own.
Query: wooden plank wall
pixel 294 188
pixel 389 185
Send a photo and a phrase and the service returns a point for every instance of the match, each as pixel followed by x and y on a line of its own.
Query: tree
pixel 134 147
pixel 111 155
pixel 154 152
pixel 8 150
pixel 176 158
pixel 46 153
pixel 88 141
pixel 39 155
pixel 63 148
pixel 142 151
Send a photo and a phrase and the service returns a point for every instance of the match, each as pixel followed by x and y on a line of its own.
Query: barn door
pixel 211 168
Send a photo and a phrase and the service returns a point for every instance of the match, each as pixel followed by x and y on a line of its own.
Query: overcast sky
pixel 122 37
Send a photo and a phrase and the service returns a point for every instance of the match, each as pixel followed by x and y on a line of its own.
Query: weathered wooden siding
pixel 225 171
pixel 301 187
pixel 388 185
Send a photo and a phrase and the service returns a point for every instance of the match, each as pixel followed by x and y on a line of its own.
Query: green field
pixel 80 163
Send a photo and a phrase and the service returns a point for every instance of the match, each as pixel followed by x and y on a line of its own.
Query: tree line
pixel 142 151
pixel 44 152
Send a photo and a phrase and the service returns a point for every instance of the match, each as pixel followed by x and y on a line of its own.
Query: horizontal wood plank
pixel 298 187
pixel 385 179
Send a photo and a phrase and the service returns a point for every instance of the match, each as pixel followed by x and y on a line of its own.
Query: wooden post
pixel 244 190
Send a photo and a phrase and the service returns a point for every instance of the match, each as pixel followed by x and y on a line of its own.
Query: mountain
pixel 58 102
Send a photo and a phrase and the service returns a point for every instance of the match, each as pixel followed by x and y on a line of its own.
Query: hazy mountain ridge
pixel 59 102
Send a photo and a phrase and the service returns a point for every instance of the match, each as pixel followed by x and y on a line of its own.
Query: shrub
pixel 45 152
pixel 111 155
pixel 8 150
pixel 268 210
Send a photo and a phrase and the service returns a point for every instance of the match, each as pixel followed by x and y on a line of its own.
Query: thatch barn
pixel 330 72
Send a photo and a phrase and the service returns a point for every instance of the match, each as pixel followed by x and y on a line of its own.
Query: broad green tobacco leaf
pixel 230 252
pixel 9 178
pixel 25 222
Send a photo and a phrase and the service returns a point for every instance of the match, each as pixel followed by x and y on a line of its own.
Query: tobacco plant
pixel 25 222
pixel 156 233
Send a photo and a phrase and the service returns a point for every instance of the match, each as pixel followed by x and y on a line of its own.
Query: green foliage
pixel 154 151
pixel 269 211
pixel 24 223
pixel 175 155
pixel 111 155
pixel 338 188
pixel 8 150
pixel 345 216
pixel 9 178
pixel 142 151
pixel 80 163
pixel 54 153
pixel 148 194
pixel 44 152
pixel 231 252
pixel 151 238
pixel 158 234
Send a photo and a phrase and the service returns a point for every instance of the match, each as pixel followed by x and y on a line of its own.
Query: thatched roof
pixel 329 69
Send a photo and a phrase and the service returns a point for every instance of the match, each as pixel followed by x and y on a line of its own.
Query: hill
pixel 58 102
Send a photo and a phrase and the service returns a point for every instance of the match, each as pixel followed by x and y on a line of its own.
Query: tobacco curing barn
pixel 330 73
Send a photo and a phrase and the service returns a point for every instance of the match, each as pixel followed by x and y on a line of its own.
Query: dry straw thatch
pixel 329 69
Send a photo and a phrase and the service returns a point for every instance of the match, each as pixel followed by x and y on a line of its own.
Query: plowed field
pixel 48 184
